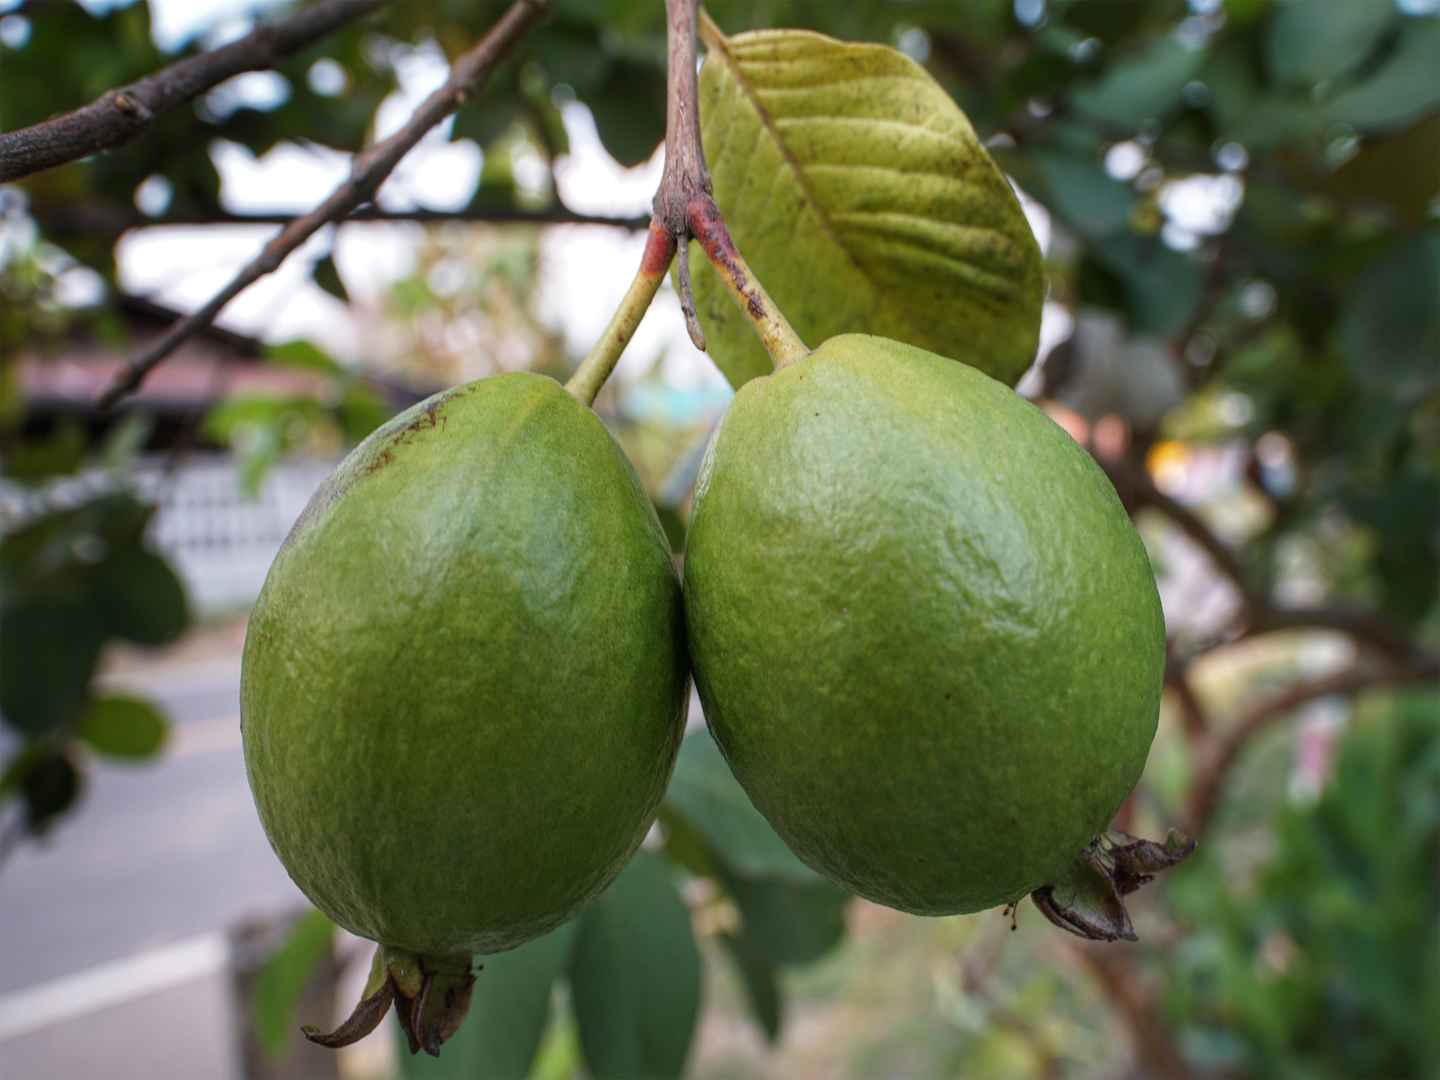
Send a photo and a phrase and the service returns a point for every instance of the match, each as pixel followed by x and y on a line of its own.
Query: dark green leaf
pixel 48 651
pixel 140 597
pixel 761 978
pixel 706 794
pixel 635 977
pixel 629 111
pixel 1313 40
pixel 1404 88
pixel 327 276
pixel 509 1010
pixel 18 765
pixel 1161 286
pixel 1389 328
pixel 1142 86
pixel 1084 194
pixel 486 119
pixel 49 787
pixel 123 727
pixel 281 981
pixel 1248 112
pixel 790 923
pixel 42 460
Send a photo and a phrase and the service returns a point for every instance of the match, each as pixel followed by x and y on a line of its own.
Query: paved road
pixel 119 920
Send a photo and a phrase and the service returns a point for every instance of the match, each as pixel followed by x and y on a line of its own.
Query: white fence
pixel 221 540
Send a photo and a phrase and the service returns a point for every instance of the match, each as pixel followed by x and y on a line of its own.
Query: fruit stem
pixel 777 335
pixel 590 376
pixel 685 205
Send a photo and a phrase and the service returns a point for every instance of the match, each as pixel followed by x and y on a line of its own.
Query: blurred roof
pixel 208 367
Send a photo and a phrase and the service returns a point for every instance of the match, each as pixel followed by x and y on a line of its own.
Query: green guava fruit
pixel 465 681
pixel 924 631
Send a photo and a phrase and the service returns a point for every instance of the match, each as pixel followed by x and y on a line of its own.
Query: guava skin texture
pixel 925 634
pixel 465 679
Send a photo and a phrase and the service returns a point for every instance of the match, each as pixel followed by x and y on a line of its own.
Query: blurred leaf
pixel 123 727
pixel 262 427
pixel 1088 198
pixel 629 110
pixel 486 119
pixel 635 977
pixel 303 355
pixel 1314 40
pixel 49 647
pixel 49 787
pixel 140 597
pixel 1404 515
pixel 281 981
pixel 508 1014
pixel 38 461
pixel 1141 86
pixel 1245 11
pixel 126 440
pixel 1248 112
pixel 761 978
pixel 1392 171
pixel 327 276
pixel 1389 328
pixel 362 410
pixel 707 795
pixel 1315 971
pixel 862 198
pixel 787 922
pixel 1404 88
pixel 1162 287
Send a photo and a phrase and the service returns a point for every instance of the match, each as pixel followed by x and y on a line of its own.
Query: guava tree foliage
pixel 1242 198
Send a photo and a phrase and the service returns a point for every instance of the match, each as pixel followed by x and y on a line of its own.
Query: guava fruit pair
pixel 924 631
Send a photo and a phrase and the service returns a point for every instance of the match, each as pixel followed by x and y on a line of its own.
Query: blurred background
pixel 1239 204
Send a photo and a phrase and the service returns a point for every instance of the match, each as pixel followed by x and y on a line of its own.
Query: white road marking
pixel 111 984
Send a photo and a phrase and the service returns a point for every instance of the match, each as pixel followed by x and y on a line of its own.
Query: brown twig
pixel 1136 488
pixel 1366 627
pixel 111 220
pixel 1210 777
pixel 368 171
pixel 686 176
pixel 1194 718
pixel 120 114
pixel 1155 1048
pixel 1258 614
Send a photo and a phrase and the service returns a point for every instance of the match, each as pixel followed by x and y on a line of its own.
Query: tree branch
pixel 113 220
pixel 1366 627
pixel 1259 615
pixel 119 115
pixel 686 176
pixel 1137 490
pixel 1210 778
pixel 1155 1049
pixel 368 171
pixel 1193 717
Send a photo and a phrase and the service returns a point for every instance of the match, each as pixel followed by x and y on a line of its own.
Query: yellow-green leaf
pixel 858 192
